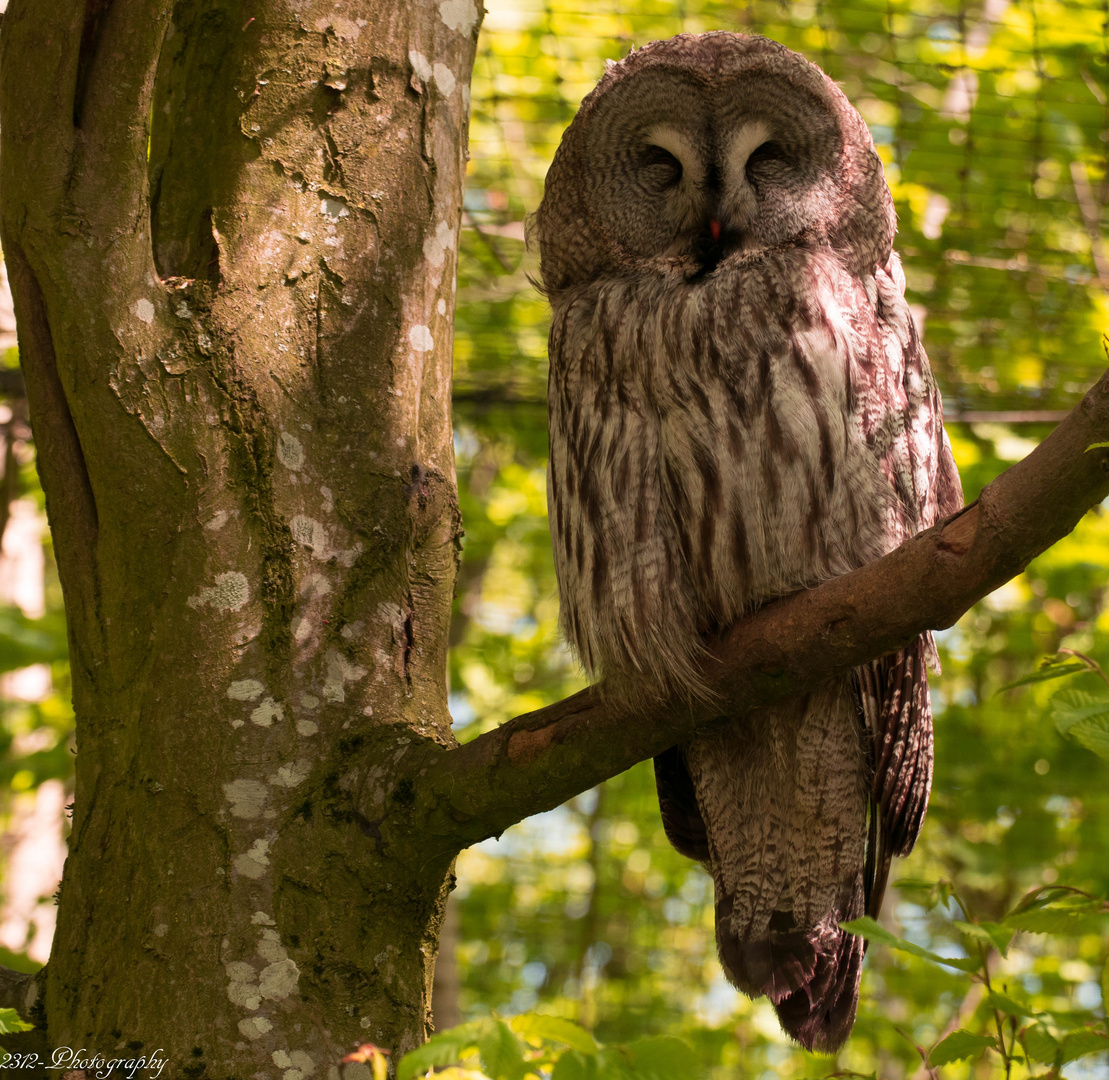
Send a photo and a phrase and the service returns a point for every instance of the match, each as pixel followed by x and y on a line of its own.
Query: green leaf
pixel 1084 718
pixel 1056 920
pixel 502 1054
pixel 915 884
pixel 958 1046
pixel 1007 1005
pixel 1097 446
pixel 553 1029
pixel 1058 910
pixel 1070 707
pixel 1057 896
pixel 1082 1043
pixel 1040 1044
pixel 992 934
pixel 1051 668
pixel 1000 935
pixel 11 1023
pixel 1092 734
pixel 615 1062
pixel 440 1050
pixel 661 1058
pixel 574 1065
pixel 866 927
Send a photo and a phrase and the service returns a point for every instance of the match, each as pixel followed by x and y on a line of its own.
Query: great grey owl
pixel 740 408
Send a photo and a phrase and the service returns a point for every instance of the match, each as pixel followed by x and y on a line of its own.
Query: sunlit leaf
pixel 1092 734
pixel 1070 707
pixel 960 1045
pixel 574 1065
pixel 1040 1044
pixel 1052 668
pixel 11 1023
pixel 866 927
pixel 553 1029
pixel 1084 718
pixel 442 1049
pixel 989 933
pixel 1001 936
pixel 1060 920
pixel 502 1054
pixel 916 885
pixel 1007 1005
pixel 1082 1043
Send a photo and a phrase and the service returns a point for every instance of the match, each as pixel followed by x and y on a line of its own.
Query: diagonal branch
pixel 537 761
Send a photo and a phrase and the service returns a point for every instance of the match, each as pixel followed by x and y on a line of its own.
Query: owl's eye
pixel 765 154
pixel 660 166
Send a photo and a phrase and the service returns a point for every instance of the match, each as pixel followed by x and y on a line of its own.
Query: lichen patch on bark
pixel 238 357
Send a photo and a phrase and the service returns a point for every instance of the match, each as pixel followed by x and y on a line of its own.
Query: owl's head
pixel 701 148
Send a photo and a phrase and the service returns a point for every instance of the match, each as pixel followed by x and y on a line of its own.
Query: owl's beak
pixel 714 228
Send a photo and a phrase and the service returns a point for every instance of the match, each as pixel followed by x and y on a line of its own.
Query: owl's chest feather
pixel 707 451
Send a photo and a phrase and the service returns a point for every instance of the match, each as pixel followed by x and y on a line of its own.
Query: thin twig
pixel 1089 661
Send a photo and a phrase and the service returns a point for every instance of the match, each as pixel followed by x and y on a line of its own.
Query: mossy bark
pixel 231 227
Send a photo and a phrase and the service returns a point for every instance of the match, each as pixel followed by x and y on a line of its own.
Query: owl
pixel 740 408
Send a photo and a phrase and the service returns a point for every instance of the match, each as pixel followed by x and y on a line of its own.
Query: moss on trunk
pixel 231 232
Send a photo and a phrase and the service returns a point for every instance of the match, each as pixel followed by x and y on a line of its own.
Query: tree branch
pixel 535 762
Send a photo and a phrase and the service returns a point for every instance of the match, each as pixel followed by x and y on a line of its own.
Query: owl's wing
pixel 677 801
pixel 896 707
pixel 899 409
pixel 902 420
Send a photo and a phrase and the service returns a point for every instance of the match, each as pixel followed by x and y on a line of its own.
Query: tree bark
pixel 231 229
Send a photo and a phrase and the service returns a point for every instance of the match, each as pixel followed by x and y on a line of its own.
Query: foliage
pixel 36 736
pixel 533 1045
pixel 991 120
pixel 1080 716
pixel 10 1024
pixel 1011 1025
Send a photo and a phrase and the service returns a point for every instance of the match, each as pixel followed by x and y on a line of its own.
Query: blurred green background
pixel 992 119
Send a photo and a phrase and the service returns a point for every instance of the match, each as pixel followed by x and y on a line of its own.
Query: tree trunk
pixel 231 230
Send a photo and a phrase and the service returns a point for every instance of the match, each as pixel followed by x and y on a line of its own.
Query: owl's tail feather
pixel 810 976
pixel 775 805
